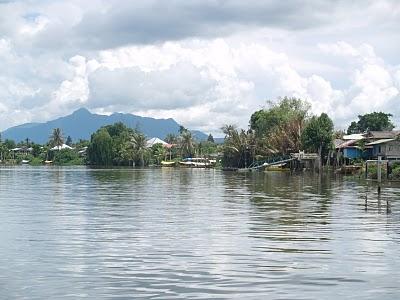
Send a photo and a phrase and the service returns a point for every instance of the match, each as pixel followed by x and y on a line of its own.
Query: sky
pixel 204 63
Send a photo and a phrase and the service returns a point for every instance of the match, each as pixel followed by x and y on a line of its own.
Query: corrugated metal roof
pixel 383 134
pixel 354 136
pixel 346 144
pixel 378 142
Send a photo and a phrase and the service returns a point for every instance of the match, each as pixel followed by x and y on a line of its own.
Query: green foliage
pixel 318 134
pixel 10 144
pixel 395 173
pixel 36 161
pixel 238 147
pixel 186 143
pixel 372 172
pixel 264 121
pixel 158 153
pixel 36 150
pixel 118 145
pixel 67 157
pixel 206 148
pixel 100 149
pixel 375 121
pixel 278 129
pixel 139 147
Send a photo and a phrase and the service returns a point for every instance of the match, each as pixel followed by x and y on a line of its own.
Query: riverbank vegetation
pixel 283 127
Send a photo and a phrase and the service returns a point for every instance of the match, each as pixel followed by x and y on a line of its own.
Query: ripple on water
pixel 198 234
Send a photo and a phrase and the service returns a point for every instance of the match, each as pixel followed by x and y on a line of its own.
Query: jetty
pixel 295 161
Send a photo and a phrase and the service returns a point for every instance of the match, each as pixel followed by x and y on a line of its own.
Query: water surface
pixel 69 233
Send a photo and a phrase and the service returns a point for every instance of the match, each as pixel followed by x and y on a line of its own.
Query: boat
pixel 24 161
pixel 48 161
pixel 277 167
pixel 196 162
pixel 165 163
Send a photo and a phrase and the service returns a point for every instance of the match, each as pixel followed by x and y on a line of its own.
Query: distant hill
pixel 82 123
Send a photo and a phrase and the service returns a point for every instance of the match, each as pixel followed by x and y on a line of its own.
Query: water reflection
pixel 189 233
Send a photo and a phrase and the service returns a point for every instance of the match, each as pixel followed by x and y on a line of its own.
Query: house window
pixel 379 149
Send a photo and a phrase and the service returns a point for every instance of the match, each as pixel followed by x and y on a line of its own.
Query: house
pixel 63 146
pixel 387 148
pixel 351 147
pixel 153 141
pixel 373 136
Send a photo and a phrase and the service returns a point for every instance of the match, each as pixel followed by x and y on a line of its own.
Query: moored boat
pixel 168 163
pixel 197 162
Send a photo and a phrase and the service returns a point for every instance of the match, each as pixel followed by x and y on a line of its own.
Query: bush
pixel 372 172
pixel 395 172
pixel 67 157
pixel 395 165
pixel 36 161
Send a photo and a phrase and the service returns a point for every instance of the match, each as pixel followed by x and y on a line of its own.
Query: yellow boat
pixel 168 163
pixel 278 167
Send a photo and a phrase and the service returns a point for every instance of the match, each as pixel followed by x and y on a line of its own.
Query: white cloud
pixel 201 69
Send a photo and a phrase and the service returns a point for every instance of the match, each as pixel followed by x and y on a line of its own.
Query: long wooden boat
pixel 168 163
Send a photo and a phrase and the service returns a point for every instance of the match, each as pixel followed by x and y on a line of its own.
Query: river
pixel 69 233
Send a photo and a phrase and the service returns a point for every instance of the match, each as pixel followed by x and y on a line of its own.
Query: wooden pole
pixel 379 173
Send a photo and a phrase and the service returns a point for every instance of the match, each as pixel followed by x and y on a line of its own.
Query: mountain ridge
pixel 81 123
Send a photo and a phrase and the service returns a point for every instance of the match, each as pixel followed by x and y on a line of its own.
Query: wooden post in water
pixel 379 173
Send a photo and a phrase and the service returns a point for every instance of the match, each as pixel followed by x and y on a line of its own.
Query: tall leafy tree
pixel 100 149
pixel 318 134
pixel 375 121
pixel 265 121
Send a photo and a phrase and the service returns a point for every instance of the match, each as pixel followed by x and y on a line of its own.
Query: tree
pixel 36 150
pixel 318 135
pixel 237 148
pixel 186 144
pixel 69 141
pixel 56 138
pixel 158 152
pixel 210 138
pixel 376 121
pixel 138 141
pixel 286 137
pixel 278 129
pixel 171 138
pixel 264 121
pixel 100 149
pixel 10 144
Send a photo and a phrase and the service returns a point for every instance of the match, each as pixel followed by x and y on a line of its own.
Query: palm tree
pixel 239 147
pixel 56 138
pixel 186 143
pixel 139 148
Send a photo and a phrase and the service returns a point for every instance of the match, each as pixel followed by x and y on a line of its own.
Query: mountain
pixel 82 123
